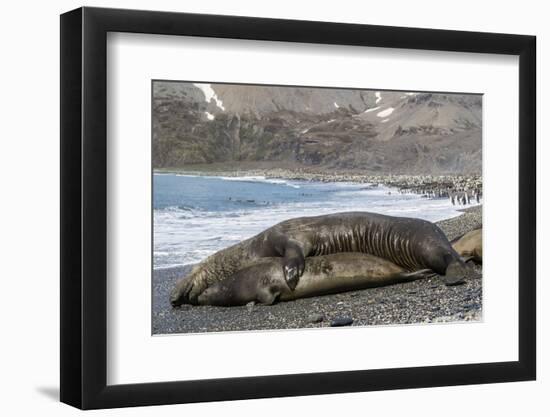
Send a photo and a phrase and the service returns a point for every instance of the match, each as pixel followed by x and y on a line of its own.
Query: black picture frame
pixel 84 207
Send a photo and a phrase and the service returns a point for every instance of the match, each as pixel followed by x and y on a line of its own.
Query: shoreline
pixel 451 186
pixel 309 175
pixel 422 301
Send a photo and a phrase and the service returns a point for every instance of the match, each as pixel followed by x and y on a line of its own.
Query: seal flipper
pixel 294 263
pixel 292 253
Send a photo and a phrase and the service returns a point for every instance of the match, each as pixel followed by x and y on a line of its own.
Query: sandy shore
pixel 422 301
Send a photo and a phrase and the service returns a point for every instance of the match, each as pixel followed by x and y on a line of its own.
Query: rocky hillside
pixel 322 128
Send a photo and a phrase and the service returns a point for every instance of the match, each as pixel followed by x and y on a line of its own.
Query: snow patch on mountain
pixel 386 113
pixel 210 95
pixel 373 109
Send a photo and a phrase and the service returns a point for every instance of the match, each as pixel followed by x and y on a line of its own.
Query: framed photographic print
pixel 257 208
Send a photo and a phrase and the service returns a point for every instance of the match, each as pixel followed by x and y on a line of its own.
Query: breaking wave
pixel 196 216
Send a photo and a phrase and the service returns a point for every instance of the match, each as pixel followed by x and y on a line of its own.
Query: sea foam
pixel 213 213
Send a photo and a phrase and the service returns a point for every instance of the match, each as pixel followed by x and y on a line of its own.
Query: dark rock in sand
pixel 341 321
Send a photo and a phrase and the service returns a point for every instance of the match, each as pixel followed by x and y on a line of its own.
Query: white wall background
pixel 29 225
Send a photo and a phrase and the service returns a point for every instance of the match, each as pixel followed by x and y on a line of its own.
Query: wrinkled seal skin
pixel 470 246
pixel 264 282
pixel 410 243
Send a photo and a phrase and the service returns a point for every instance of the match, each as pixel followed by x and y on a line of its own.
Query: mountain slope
pixel 332 129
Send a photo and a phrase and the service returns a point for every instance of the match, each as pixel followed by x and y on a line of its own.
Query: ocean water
pixel 195 216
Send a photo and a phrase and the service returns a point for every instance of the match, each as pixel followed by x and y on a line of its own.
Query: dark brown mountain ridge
pixel 329 129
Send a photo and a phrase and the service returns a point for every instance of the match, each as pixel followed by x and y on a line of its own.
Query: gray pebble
pixel 341 321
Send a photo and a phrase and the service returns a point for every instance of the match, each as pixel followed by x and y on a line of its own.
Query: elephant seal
pixel 264 282
pixel 470 246
pixel 408 242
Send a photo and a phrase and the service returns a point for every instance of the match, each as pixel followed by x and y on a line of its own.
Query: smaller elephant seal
pixel 470 246
pixel 264 281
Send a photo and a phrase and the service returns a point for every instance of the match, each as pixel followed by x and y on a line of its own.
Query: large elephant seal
pixel 470 245
pixel 264 282
pixel 410 243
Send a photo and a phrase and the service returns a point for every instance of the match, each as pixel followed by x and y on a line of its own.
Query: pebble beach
pixel 422 301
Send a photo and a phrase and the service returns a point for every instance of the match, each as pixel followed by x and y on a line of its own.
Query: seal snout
pixel 181 293
pixel 175 298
